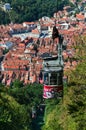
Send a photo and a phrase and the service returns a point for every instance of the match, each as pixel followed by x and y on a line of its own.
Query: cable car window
pixel 60 78
pixel 56 78
pixel 53 79
pixel 46 79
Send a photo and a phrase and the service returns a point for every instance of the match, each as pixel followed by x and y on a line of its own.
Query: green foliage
pixel 31 94
pixel 17 84
pixel 31 10
pixel 16 105
pixel 13 116
pixel 4 18
pixel 52 113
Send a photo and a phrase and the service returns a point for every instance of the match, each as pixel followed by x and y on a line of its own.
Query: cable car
pixel 52 74
pixel 53 84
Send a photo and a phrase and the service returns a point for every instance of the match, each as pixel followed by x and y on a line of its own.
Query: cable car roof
pixel 53 69
pixel 55 62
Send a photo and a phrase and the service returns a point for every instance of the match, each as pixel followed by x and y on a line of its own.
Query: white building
pixel 7 6
pixel 7 45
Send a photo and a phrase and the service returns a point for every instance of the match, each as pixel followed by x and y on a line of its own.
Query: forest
pixel 30 10
pixel 68 113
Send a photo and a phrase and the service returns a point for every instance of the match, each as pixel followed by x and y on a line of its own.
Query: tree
pixel 52 114
pixel 13 116
pixel 17 84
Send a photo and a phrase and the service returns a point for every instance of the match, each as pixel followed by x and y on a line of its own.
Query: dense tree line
pixel 16 105
pixel 31 10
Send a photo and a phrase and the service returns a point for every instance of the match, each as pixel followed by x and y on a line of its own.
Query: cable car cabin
pixel 53 82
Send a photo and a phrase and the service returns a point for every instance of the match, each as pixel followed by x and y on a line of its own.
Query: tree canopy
pixel 30 10
pixel 16 105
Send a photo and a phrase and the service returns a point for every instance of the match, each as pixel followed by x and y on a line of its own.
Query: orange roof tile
pixel 80 16
pixel 35 31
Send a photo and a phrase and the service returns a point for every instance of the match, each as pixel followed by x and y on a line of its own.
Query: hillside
pixel 30 10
